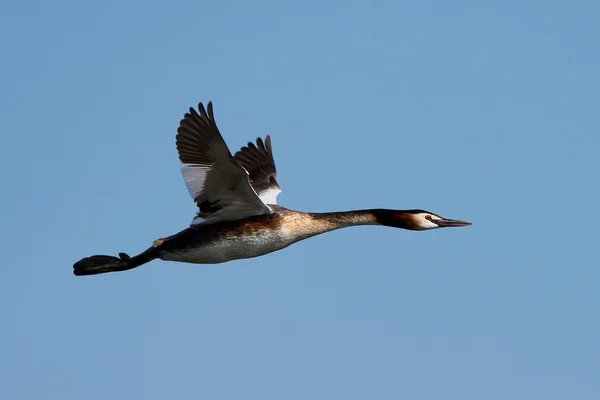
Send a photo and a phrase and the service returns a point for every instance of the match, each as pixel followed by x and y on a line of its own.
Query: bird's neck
pixel 377 216
pixel 305 225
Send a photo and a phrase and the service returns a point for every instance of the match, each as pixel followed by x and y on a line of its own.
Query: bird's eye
pixel 428 217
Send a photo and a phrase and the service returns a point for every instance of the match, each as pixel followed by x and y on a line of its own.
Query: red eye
pixel 428 217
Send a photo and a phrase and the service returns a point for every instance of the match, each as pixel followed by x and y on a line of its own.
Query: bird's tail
pixel 101 264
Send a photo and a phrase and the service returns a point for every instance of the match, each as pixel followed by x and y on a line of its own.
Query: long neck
pixel 318 223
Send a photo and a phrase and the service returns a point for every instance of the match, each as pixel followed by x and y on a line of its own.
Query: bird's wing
pixel 258 161
pixel 216 181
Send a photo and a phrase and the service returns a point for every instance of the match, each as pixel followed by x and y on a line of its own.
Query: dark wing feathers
pixel 258 161
pixel 197 136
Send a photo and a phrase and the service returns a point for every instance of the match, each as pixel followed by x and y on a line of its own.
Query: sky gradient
pixel 487 113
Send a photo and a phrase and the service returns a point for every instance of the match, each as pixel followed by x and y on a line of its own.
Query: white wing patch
pixel 269 196
pixel 194 176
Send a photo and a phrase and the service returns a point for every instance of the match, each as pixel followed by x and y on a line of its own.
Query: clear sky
pixel 483 112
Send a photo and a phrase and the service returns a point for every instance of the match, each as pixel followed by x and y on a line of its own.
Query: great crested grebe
pixel 237 212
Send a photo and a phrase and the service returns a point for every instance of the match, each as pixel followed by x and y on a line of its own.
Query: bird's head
pixel 421 220
pixel 416 220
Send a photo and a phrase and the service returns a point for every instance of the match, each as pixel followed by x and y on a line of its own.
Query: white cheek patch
pixel 431 225
pixel 425 223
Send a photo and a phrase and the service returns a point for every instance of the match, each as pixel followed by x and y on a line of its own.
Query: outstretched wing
pixel 258 161
pixel 216 181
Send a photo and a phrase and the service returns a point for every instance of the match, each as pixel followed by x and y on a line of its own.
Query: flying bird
pixel 238 216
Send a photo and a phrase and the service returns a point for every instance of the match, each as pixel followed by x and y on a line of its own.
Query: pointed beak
pixel 446 223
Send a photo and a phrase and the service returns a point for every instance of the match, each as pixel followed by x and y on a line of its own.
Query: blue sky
pixel 483 112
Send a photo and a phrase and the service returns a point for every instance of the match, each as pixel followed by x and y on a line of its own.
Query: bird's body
pixel 237 216
pixel 231 240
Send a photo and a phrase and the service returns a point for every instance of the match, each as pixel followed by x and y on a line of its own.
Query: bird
pixel 238 216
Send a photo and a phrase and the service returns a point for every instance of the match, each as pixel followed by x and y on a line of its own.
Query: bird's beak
pixel 445 223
